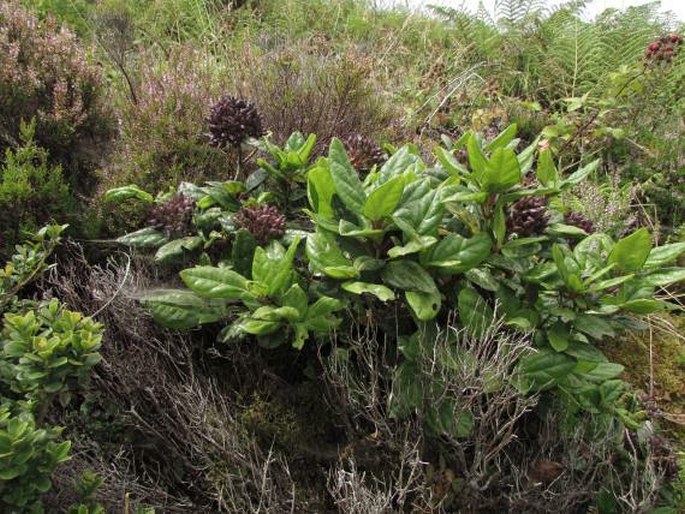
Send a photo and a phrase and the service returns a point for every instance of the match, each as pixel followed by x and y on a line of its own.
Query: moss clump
pixel 668 353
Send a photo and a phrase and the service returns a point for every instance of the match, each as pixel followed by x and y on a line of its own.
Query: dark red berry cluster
pixel 262 221
pixel 664 48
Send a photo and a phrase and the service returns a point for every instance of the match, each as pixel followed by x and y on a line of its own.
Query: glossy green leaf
pixel 644 306
pixel 458 254
pixel 631 252
pixel 424 305
pixel 474 312
pixel 383 201
pixel 296 298
pixel 413 246
pixel 449 163
pixel 420 216
pixel 324 306
pixel 585 352
pixel 581 174
pixel 603 371
pixel 503 139
pixel 546 171
pixel 408 275
pixel 320 190
pixel 345 178
pixel 399 163
pixel 380 291
pixel 558 337
pixel 594 326
pixel 663 255
pixel 502 171
pixel 212 282
pixel 258 328
pixel 121 194
pixel 177 247
pixel 144 238
pixel 325 256
pixel 477 159
pixel 664 277
pixel 547 367
pixel 242 252
pixel 181 309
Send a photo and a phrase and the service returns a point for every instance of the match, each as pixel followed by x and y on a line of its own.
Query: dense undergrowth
pixel 324 257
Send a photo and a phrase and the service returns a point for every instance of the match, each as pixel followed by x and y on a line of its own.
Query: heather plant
pixel 312 92
pixel 48 76
pixel 32 191
pixel 163 138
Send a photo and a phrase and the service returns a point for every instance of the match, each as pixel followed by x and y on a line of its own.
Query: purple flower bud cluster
pixel 577 219
pixel 528 216
pixel 174 216
pixel 262 221
pixel 232 120
pixel 363 152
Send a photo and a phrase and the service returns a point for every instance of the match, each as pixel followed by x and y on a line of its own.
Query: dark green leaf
pixel 424 305
pixel 458 254
pixel 381 292
pixel 212 282
pixel 631 252
pixel 345 178
pixel 144 238
pixel 408 275
pixel 399 163
pixel 181 309
pixel 474 312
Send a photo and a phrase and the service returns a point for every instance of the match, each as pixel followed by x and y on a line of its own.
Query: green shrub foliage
pixel 427 239
pixel 45 350
pixel 29 456
pixel 32 191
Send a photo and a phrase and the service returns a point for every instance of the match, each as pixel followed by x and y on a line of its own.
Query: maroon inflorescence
pixel 664 48
pixel 528 216
pixel 232 120
pixel 262 221
pixel 577 219
pixel 363 152
pixel 174 216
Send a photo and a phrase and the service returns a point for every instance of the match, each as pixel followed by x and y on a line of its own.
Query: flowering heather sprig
pixel 232 120
pixel 363 152
pixel 46 74
pixel 174 216
pixel 262 221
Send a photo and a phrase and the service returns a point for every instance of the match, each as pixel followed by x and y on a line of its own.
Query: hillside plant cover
pixel 321 256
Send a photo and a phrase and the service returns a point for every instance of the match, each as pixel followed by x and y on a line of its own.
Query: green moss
pixel 632 350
